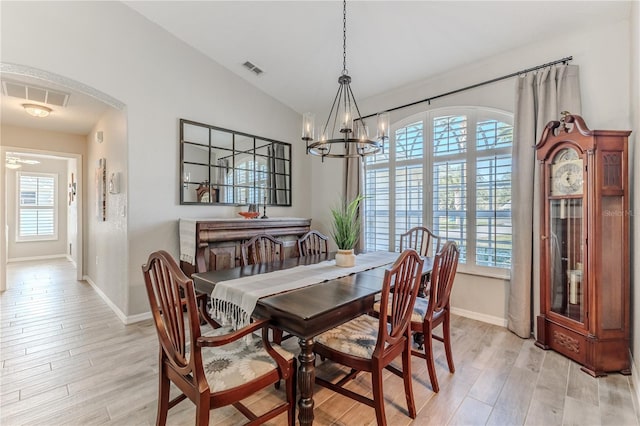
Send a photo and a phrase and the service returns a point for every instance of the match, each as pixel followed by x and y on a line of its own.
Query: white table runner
pixel 233 301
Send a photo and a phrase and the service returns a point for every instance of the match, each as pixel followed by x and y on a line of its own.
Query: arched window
pixel 448 169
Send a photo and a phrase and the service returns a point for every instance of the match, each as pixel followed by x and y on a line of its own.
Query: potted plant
pixel 346 231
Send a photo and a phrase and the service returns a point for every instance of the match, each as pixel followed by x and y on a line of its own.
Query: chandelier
pixel 344 134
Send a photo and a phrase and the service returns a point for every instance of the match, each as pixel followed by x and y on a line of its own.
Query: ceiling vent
pixel 251 67
pixel 34 93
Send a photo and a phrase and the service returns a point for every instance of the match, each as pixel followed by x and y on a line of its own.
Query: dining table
pixel 308 311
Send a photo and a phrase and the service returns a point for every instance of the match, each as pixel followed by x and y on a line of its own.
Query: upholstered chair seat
pixel 236 363
pixel 357 337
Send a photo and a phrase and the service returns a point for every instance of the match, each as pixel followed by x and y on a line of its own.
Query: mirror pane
pixel 195 134
pixel 225 167
pixel 198 154
pixel 244 143
pixel 222 139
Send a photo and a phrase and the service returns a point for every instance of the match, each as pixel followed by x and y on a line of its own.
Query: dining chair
pixel 435 309
pixel 426 243
pixel 370 344
pixel 313 242
pixel 262 248
pixel 422 240
pixel 213 370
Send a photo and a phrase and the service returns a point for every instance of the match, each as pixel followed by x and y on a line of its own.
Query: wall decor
pixel 220 166
pixel 101 190
pixel 73 186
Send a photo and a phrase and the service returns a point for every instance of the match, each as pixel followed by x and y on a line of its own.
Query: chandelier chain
pixel 344 37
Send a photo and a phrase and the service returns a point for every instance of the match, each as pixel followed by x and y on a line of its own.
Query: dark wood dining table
pixel 309 311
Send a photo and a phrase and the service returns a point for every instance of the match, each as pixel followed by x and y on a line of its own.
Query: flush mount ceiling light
pixel 344 134
pixel 36 110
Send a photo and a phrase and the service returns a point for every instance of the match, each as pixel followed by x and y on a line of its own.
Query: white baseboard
pixel 490 319
pixel 25 259
pixel 70 259
pixel 124 318
pixel 635 380
pixel 138 317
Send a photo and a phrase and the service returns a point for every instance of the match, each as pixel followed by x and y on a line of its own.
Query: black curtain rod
pixel 473 86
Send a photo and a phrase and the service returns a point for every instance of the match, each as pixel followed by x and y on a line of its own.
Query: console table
pixel 214 244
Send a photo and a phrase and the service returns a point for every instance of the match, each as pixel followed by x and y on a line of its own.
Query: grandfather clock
pixel 584 245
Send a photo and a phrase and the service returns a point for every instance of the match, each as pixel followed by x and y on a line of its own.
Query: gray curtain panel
pixel 540 98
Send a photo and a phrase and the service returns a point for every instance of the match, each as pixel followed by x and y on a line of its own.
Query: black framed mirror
pixel 221 166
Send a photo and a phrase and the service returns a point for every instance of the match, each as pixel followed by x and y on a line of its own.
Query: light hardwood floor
pixel 66 359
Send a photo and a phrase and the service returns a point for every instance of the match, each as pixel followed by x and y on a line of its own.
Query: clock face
pixel 567 174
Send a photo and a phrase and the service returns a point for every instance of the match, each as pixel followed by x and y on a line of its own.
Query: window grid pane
pixel 449 135
pixel 493 211
pixel 409 199
pixel 409 142
pixel 450 202
pixel 493 134
pixel 376 216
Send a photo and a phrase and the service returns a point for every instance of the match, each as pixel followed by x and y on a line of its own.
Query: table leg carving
pixel 306 381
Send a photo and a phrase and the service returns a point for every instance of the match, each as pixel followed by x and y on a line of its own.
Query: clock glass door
pixel 566 236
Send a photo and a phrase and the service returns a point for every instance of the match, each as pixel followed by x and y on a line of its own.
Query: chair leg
pixel 408 379
pixel 163 396
pixel 428 351
pixel 291 396
pixel 378 397
pixel 202 410
pixel 446 337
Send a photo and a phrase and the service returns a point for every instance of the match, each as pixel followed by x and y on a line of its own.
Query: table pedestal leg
pixel 306 381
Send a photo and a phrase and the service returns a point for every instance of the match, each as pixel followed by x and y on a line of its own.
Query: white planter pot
pixel 345 258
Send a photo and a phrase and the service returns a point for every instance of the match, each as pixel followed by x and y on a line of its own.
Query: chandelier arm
pixel 335 115
pixel 359 119
pixel 333 107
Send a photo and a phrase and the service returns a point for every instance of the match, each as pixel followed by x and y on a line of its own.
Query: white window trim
pixel 26 239
pixel 427 162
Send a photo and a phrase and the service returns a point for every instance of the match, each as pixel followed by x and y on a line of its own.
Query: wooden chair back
pixel 422 240
pixel 262 248
pixel 404 277
pixel 169 291
pixel 445 265
pixel 313 243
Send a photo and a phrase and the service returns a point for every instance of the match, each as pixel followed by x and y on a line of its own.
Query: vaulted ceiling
pixel 298 44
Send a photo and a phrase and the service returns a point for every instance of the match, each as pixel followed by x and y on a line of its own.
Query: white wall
pixel 111 48
pixel 105 242
pixel 602 53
